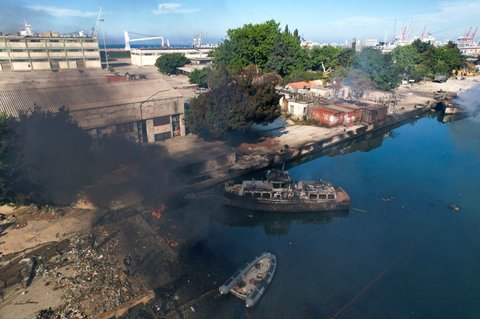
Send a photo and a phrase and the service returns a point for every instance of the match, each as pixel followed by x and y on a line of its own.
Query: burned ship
pixel 279 193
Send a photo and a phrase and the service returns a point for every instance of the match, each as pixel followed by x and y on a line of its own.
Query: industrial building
pixel 144 57
pixel 145 111
pixel 48 51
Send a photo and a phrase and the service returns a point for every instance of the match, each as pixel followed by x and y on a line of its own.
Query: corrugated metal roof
pixel 82 97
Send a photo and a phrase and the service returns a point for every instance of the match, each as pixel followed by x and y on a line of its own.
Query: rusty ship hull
pixel 341 203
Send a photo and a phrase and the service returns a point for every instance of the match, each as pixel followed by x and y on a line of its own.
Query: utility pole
pixel 105 50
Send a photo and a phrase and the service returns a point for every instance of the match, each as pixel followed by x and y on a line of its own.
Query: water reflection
pixel 364 143
pixel 274 224
pixel 447 118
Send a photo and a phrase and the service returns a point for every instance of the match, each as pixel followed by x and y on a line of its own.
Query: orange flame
pixel 157 213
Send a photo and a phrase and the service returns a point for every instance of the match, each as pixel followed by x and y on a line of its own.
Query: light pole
pixel 105 50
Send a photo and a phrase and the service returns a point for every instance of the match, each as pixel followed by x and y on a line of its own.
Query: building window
pixel 162 136
pixel 125 128
pixel 159 121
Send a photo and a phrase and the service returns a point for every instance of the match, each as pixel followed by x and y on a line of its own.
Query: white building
pixel 371 43
pixel 144 57
pixel 48 51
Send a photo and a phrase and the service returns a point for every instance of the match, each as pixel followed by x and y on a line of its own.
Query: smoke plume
pixel 469 100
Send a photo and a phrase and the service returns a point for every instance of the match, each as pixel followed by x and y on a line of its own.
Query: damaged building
pixel 143 111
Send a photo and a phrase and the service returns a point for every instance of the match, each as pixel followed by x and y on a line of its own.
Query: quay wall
pixel 245 164
pixel 320 145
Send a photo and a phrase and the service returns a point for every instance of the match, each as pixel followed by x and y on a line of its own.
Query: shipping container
pixel 326 116
pixel 351 113
pixel 374 113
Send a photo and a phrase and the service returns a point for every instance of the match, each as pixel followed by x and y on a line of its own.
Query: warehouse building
pixel 145 111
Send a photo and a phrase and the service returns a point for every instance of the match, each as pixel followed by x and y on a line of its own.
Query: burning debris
pixel 157 213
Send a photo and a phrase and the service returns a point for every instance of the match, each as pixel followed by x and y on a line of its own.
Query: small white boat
pixel 250 283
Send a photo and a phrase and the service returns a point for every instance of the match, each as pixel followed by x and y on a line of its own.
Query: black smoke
pixel 47 159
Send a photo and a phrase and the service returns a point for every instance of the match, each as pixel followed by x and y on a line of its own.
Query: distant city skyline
pixel 179 21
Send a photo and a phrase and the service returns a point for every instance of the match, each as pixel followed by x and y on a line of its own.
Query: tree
pixel 200 77
pixel 168 63
pixel 234 103
pixel 378 67
pixel 263 45
pixel 286 56
pixel 406 58
pixel 302 75
pixel 446 58
pixel 345 57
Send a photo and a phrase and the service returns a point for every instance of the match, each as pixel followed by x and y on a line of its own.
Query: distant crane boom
pixel 128 40
pixel 94 33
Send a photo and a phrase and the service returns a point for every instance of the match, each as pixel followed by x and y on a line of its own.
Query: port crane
pixel 95 29
pixel 147 37
pixel 469 37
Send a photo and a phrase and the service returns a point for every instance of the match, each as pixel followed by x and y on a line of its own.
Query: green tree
pixel 234 103
pixel 378 67
pixel 302 75
pixel 200 77
pixel 286 56
pixel 446 58
pixel 263 45
pixel 345 57
pixel 168 63
pixel 406 58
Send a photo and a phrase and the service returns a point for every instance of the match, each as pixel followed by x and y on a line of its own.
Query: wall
pixel 40 65
pixel 21 66
pixel 106 116
pixel 297 109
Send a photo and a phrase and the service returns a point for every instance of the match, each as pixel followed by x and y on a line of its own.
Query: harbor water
pixel 401 251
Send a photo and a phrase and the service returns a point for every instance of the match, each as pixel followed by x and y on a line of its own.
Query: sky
pixel 322 21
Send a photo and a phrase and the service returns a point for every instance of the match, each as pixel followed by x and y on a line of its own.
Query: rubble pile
pixel 92 276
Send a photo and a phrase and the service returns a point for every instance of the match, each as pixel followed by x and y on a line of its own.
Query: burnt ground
pixel 126 254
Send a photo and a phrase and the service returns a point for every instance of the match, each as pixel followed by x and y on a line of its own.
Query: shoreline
pixel 52 228
pixel 302 140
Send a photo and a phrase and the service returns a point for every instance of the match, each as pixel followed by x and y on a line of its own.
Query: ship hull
pixel 285 206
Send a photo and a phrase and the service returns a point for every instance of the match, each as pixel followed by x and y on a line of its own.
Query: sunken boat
pixel 279 193
pixel 250 282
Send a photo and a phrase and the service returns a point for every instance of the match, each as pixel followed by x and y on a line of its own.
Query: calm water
pixel 401 252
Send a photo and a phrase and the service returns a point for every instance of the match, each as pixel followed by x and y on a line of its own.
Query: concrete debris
pixel 93 279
